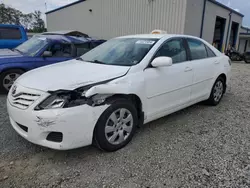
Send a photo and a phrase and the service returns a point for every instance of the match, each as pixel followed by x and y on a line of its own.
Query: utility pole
pixel 45 4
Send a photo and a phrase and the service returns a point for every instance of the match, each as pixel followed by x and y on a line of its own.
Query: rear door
pixel 204 63
pixel 10 37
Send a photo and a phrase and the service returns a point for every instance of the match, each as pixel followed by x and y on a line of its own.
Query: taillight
pixel 230 62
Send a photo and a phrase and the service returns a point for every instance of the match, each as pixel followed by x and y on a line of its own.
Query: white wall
pixel 193 17
pixel 111 18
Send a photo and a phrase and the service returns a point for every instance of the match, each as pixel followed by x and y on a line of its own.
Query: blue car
pixel 12 36
pixel 41 50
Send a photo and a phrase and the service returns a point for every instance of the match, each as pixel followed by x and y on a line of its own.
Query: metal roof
pixel 226 7
pixel 212 1
pixel 65 6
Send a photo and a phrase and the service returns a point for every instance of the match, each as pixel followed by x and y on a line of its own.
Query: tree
pixel 38 25
pixel 9 15
pixel 27 20
pixel 32 21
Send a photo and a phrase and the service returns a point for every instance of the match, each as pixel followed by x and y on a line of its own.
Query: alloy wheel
pixel 218 90
pixel 9 79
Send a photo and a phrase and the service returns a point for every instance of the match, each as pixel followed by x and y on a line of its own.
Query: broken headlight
pixel 62 99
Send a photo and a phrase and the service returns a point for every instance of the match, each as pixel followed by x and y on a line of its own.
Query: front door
pixel 168 88
pixel 59 52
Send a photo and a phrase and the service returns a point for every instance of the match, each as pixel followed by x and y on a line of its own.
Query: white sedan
pixel 103 96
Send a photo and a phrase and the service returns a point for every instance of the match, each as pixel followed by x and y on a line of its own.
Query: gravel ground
pixel 200 146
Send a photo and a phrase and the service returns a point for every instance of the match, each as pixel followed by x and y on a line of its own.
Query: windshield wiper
pixel 95 61
pixel 99 62
pixel 80 59
pixel 17 50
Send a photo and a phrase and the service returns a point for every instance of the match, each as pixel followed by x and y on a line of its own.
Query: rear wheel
pixel 217 92
pixel 7 79
pixel 116 126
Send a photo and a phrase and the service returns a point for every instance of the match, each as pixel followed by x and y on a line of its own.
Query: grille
pixel 24 100
pixel 24 128
pixel 55 137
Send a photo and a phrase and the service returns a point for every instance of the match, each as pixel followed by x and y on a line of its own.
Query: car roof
pixel 67 39
pixel 66 33
pixel 157 36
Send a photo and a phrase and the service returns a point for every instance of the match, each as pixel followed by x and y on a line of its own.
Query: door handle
pixel 187 69
pixel 216 62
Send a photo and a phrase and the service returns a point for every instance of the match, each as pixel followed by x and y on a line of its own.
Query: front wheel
pixel 217 92
pixel 7 79
pixel 116 126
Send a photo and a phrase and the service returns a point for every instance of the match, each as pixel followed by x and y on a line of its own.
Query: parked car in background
pixel 41 50
pixel 247 57
pixel 12 36
pixel 105 94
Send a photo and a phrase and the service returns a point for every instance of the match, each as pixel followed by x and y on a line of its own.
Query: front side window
pixel 9 33
pixel 32 46
pixel 197 49
pixel 60 50
pixel 120 51
pixel 174 49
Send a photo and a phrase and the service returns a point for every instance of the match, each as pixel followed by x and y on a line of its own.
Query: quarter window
pixel 210 53
pixel 197 49
pixel 174 49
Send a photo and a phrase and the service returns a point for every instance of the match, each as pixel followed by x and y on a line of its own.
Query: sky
pixel 28 6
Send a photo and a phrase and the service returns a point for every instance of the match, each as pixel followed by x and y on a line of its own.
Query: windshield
pixel 120 51
pixel 32 46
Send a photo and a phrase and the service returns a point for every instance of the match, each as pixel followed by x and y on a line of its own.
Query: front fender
pixel 107 89
pixel 130 85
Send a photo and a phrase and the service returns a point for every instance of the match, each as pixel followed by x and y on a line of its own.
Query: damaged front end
pixel 72 98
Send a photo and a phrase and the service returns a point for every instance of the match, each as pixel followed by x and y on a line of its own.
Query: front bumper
pixel 75 124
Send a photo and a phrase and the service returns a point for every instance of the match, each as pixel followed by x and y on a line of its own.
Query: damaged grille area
pixel 24 100
pixel 55 137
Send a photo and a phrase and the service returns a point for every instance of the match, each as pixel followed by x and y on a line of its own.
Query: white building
pixel 208 19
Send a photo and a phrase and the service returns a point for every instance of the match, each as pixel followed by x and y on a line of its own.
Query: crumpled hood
pixel 69 75
pixel 5 53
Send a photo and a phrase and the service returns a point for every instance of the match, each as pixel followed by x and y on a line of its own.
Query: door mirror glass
pixel 162 62
pixel 47 54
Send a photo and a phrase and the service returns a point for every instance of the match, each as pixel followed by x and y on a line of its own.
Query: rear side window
pixel 10 33
pixel 82 48
pixel 96 43
pixel 197 49
pixel 210 53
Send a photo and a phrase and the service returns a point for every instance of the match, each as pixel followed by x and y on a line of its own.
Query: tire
pixel 247 61
pixel 217 92
pixel 106 129
pixel 13 74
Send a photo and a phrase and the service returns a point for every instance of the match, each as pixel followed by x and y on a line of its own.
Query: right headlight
pixel 63 99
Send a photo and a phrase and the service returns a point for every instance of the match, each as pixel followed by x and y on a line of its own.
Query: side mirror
pixel 162 62
pixel 47 54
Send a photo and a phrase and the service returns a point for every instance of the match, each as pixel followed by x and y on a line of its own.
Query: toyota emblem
pixel 13 91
